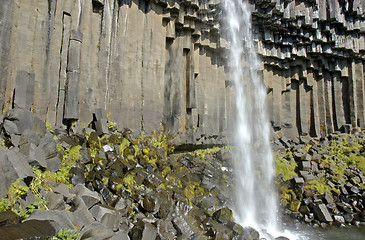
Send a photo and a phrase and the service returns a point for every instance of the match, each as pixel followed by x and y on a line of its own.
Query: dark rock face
pixel 173 69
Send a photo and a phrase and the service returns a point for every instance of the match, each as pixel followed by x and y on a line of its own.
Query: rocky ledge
pixel 322 181
pixel 98 183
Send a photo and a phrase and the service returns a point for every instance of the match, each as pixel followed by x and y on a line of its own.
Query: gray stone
pixel 120 235
pixel 90 198
pixel 34 155
pixel 101 123
pixel 78 176
pixel 223 215
pixel 60 219
pixel 63 189
pixel 322 213
pixel 183 226
pixel 339 219
pixel 7 174
pixel 24 120
pixel 15 139
pixel 10 127
pixel 166 229
pixel 8 218
pixel 250 233
pixel 96 231
pixel 81 215
pixel 29 136
pixel 306 165
pixel 71 110
pixel 24 90
pixel 54 161
pixel 111 220
pixel 19 163
pixel 150 204
pixel 120 204
pixel 298 180
pixel 98 211
pixel 47 144
pixel 30 229
pixel 144 231
pixel 55 201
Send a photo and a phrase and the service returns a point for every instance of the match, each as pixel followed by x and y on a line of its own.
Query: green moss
pixel 4 204
pixel 74 153
pixel 48 125
pixel 24 213
pixel 285 167
pixel 321 187
pixel 129 181
pixel 124 145
pixel 59 147
pixel 203 152
pixel 16 191
pixel 172 181
pixel 111 124
pixel 65 234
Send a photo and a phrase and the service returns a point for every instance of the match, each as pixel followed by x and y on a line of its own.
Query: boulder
pixel 322 213
pixel 166 229
pixel 8 218
pixel 54 161
pixel 55 201
pixel 34 155
pixel 81 215
pixel 250 233
pixel 111 220
pixel 96 231
pixel 10 127
pixel 63 189
pixel 182 226
pixel 223 215
pixel 101 121
pixel 24 120
pixel 77 176
pixel 13 165
pixel 150 204
pixel 59 219
pixel 30 229
pixel 144 231
pixel 120 235
pixel 29 136
pixel 90 198
pixel 98 211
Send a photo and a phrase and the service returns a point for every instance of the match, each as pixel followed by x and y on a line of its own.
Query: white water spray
pixel 256 196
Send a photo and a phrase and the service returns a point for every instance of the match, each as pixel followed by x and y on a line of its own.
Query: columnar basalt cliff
pixel 313 52
pixel 142 63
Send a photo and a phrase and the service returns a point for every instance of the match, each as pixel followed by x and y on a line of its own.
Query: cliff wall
pixel 144 63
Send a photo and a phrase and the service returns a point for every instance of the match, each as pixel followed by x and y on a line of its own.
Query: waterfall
pixel 254 165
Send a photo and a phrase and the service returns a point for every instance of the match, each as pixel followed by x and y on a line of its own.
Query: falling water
pixel 256 200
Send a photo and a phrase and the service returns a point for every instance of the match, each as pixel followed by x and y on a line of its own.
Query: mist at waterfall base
pixel 256 204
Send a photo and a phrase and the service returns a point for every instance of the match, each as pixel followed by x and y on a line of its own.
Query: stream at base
pixel 303 232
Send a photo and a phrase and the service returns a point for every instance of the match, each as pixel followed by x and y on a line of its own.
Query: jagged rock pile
pixel 117 185
pixel 322 180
